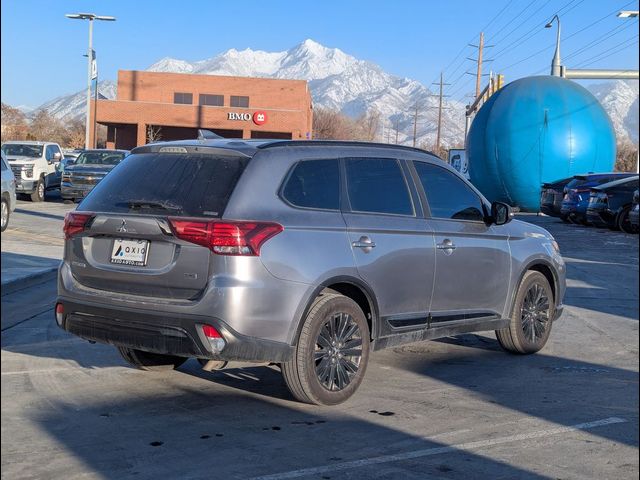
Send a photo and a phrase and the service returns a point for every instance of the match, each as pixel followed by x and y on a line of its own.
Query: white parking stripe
pixel 440 450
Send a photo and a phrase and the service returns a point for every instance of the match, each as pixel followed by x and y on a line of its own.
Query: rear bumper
pixel 165 333
pixel 600 217
pixel 549 209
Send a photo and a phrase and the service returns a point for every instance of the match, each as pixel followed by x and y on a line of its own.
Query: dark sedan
pixel 551 197
pixel 611 203
pixel 88 169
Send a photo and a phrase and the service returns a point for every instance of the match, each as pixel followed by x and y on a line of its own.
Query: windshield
pixel 99 158
pixel 22 150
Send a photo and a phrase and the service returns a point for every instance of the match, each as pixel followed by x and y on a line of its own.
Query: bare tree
pixel 14 124
pixel 154 133
pixel 626 156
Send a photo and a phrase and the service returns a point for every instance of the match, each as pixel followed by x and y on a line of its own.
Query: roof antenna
pixel 207 135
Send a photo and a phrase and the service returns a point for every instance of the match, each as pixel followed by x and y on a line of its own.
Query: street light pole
pixel 631 14
pixel 91 17
pixel 556 66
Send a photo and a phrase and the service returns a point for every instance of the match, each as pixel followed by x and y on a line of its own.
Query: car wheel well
pixel 357 295
pixel 546 271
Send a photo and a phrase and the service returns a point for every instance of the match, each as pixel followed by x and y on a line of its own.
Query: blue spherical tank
pixel 536 130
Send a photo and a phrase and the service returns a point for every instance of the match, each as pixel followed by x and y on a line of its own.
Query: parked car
pixel 577 191
pixel 309 254
pixel 8 193
pixel 634 214
pixel 86 171
pixel 33 164
pixel 610 204
pixel 69 157
pixel 551 197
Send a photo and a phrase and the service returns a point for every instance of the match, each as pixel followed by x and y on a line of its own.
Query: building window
pixel 242 102
pixel 183 98
pixel 212 100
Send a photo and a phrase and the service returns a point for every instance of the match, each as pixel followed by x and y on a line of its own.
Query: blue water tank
pixel 536 130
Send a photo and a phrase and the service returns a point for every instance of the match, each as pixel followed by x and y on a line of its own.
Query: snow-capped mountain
pixel 620 100
pixel 340 81
pixel 73 107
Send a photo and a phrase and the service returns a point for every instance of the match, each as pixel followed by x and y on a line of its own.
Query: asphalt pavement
pixel 456 408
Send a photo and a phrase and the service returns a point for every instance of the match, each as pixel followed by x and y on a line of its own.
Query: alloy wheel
pixel 338 351
pixel 535 313
pixel 4 215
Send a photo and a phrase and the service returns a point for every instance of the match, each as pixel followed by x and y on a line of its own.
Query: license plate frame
pixel 131 252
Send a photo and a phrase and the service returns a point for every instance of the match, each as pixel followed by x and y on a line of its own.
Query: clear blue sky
pixel 42 50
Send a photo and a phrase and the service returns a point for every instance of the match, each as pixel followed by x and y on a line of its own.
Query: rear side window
pixel 192 184
pixel 314 184
pixel 377 185
pixel 448 196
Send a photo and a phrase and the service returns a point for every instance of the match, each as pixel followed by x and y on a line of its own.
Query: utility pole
pixel 441 96
pixel 415 125
pixel 397 121
pixel 479 67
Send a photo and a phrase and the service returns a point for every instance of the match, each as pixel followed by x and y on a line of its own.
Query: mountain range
pixel 353 86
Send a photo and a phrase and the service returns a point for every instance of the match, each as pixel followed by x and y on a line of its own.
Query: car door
pixel 473 261
pixel 392 247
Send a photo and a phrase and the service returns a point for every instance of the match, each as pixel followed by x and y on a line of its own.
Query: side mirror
pixel 501 213
pixel 57 157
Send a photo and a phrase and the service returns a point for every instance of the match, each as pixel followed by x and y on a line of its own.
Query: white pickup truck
pixel 32 163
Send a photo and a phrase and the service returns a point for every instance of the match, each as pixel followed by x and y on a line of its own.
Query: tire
pixel 38 194
pixel 150 361
pixel 623 223
pixel 320 372
pixel 4 216
pixel 528 332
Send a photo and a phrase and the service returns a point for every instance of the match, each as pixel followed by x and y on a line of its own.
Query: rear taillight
pixel 59 313
pixel 226 238
pixel 216 341
pixel 75 223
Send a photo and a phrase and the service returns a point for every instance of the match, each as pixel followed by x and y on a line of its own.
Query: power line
pixel 611 33
pixel 496 41
pixel 599 56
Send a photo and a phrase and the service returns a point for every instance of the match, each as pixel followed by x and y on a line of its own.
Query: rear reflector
pixel 59 314
pixel 216 341
pixel 226 238
pixel 76 222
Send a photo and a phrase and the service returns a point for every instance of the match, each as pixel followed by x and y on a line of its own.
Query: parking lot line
pixel 441 450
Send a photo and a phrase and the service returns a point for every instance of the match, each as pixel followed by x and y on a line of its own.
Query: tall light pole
pixel 631 14
pixel 91 17
pixel 556 67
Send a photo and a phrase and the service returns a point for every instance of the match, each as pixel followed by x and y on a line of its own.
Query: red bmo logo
pixel 260 118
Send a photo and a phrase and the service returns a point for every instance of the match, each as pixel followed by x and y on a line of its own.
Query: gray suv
pixel 307 254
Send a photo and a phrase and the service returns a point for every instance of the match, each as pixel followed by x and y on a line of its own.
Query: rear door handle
pixel 364 242
pixel 446 245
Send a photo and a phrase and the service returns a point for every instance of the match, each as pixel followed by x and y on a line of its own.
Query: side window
pixel 377 185
pixel 448 196
pixel 314 184
pixel 48 153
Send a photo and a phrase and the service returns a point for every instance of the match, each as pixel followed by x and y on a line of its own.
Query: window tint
pixel 377 185
pixel 212 100
pixel 190 184
pixel 448 195
pixel 237 101
pixel 314 184
pixel 184 98
pixel 48 153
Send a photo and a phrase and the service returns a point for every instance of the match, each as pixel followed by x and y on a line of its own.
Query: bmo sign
pixel 259 118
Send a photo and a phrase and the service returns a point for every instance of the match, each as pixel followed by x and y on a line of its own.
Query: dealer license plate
pixel 130 252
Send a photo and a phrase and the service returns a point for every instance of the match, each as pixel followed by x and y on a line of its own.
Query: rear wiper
pixel 156 205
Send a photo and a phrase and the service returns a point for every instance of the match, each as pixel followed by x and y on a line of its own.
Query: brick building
pixel 174 105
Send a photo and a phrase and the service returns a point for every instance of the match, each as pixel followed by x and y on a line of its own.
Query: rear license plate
pixel 130 252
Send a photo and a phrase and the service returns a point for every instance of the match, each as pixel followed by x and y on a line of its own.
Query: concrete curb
pixel 29 280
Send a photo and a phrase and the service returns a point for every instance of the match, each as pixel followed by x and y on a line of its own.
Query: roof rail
pixel 346 143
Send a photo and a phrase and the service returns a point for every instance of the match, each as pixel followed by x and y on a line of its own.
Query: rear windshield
pixel 192 184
